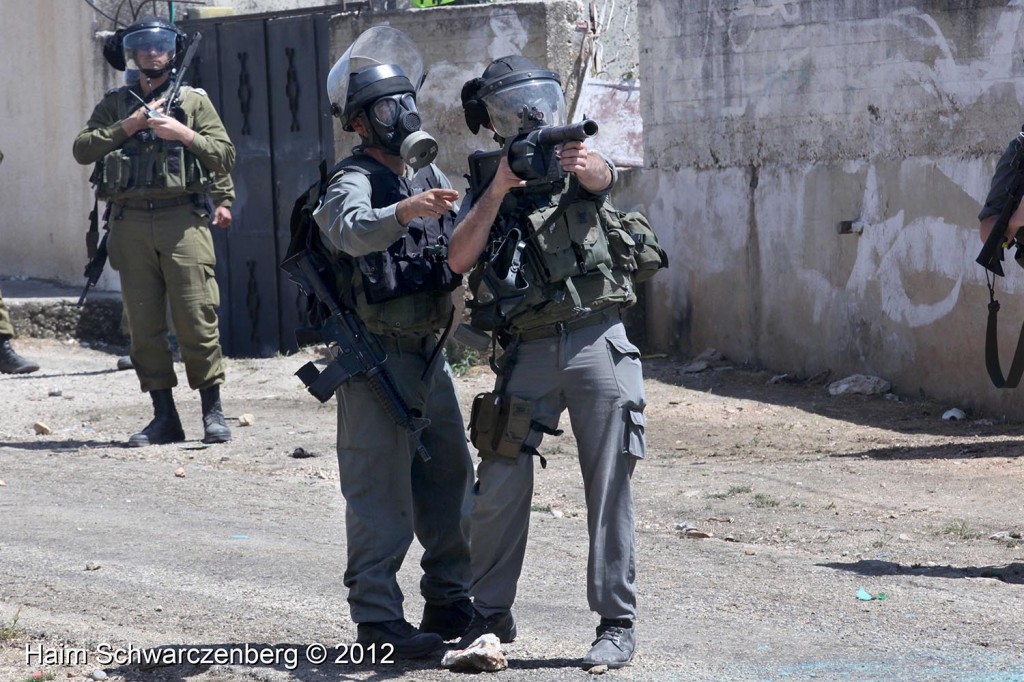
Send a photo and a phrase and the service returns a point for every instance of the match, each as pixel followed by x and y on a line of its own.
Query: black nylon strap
pixel 992 364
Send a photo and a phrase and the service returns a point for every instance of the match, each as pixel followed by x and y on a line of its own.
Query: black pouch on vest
pixel 499 424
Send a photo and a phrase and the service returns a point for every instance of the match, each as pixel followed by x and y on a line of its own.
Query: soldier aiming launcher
pixel 531 154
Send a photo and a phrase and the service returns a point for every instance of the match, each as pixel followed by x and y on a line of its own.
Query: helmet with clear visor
pixel 382 61
pixel 150 46
pixel 509 88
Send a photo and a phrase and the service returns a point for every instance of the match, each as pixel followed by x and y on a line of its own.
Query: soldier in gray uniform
pixel 549 286
pixel 388 227
pixel 155 172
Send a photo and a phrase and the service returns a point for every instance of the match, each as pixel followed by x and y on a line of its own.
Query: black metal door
pixel 301 135
pixel 267 78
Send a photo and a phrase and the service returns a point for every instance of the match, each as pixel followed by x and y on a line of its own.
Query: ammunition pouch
pixel 634 245
pixel 155 166
pixel 499 425
pixel 387 276
pixel 572 244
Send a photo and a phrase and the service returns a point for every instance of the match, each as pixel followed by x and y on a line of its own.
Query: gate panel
pixel 253 266
pixel 205 73
pixel 300 134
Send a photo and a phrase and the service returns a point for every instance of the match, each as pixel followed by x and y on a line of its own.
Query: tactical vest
pixel 145 166
pixel 553 262
pixel 405 289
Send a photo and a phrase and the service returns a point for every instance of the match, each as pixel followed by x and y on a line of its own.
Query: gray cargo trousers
pixel 391 493
pixel 596 373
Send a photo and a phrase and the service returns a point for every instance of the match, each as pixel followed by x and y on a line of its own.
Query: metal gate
pixel 267 77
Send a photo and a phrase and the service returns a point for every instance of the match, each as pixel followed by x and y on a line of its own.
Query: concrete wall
pixel 776 120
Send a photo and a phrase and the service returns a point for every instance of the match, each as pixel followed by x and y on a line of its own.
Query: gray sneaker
pixel 614 646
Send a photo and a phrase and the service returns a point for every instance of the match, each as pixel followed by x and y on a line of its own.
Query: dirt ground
pixel 765 507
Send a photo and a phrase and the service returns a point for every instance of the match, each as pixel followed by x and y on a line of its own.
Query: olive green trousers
pixel 6 328
pixel 166 256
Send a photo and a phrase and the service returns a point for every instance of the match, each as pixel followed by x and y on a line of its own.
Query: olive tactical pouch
pixel 633 243
pixel 499 424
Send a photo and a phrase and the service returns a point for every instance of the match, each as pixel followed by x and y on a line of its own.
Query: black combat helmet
pixel 507 86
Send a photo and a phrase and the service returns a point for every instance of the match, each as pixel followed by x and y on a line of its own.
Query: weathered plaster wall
pixel 51 75
pixel 768 123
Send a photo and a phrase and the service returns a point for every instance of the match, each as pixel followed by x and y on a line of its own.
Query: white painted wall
pixel 767 123
pixel 50 77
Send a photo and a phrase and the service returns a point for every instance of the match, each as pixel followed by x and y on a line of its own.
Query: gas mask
pixel 395 123
pixel 377 77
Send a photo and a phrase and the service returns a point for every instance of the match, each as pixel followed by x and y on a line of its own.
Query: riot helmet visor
pixel 149 48
pixel 377 46
pixel 541 99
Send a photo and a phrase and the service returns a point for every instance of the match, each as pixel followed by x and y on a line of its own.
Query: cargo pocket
pixel 634 443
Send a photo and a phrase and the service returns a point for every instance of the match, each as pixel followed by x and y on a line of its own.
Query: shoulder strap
pixel 992 364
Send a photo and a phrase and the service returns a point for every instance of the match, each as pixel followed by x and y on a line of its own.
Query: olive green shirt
pixel 211 145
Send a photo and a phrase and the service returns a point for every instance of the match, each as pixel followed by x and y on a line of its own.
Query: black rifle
pixel 354 349
pixel 97 253
pixel 531 155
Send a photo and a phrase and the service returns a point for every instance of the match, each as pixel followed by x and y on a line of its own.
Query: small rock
pixel 693 367
pixel 483 654
pixel 180 472
pixel 953 414
pixel 749 551
pixel 598 670
pixel 697 534
pixel 55 392
pixel 42 429
pixel 98 675
pixel 92 566
pixel 859 383
pixel 2 483
pixel 557 513
pixel 303 453
pixel 247 419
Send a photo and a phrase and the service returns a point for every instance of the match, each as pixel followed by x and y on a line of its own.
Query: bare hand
pixel 572 157
pixel 139 119
pixel 505 179
pixel 222 217
pixel 169 128
pixel 433 203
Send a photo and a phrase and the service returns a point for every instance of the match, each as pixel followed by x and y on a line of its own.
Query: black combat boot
pixel 448 620
pixel 11 362
pixel 165 427
pixel 215 429
pixel 408 642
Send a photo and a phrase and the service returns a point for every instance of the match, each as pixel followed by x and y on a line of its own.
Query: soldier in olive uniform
pixel 10 362
pixel 155 166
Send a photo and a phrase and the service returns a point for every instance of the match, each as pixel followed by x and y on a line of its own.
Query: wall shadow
pixel 908 415
pixel 1012 573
